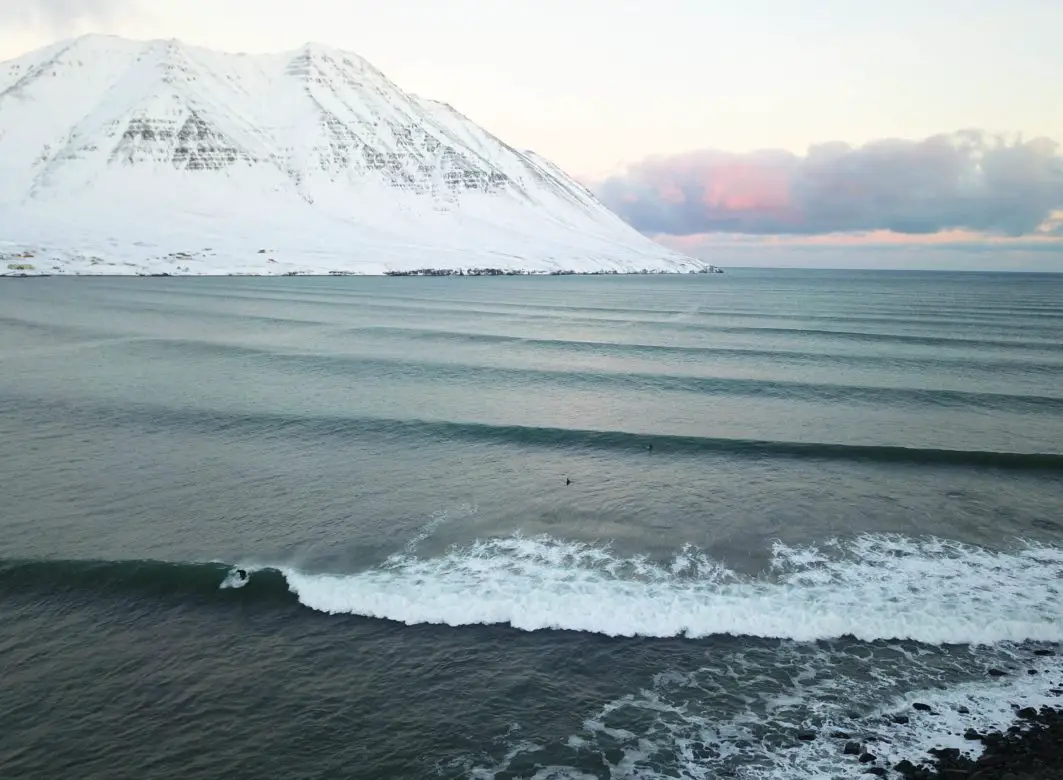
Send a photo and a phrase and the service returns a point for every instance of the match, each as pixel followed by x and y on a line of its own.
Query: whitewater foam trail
pixel 438 519
pixel 688 724
pixel 872 587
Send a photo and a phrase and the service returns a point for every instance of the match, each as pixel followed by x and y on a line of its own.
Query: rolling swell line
pixel 961 318
pixel 881 337
pixel 880 313
pixel 639 348
pixel 464 372
pixel 219 314
pixel 1022 338
pixel 699 445
pixel 1047 344
pixel 147 577
pixel 265 424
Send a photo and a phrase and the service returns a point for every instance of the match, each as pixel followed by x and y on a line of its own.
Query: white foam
pixel 232 580
pixel 873 587
pixel 738 715
pixel 437 520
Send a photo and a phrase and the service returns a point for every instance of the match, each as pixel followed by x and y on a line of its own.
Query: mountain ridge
pixel 110 147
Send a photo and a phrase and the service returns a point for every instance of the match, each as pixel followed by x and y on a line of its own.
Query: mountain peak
pixel 160 142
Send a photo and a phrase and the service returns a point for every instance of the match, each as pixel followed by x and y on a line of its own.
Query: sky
pixel 719 127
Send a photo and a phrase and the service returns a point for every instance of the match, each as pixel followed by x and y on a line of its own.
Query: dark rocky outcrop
pixel 1031 750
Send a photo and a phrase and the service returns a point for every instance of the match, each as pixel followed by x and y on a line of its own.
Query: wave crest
pixel 873 587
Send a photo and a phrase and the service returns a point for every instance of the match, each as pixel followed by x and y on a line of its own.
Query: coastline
pixel 1030 747
pixel 33 273
pixel 21 259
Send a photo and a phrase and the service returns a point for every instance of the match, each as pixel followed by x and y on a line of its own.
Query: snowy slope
pixel 121 156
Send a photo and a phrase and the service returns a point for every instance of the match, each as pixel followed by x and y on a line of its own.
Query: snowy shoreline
pixel 333 274
pixel 37 262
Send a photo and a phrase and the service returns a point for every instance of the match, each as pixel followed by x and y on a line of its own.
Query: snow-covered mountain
pixel 131 156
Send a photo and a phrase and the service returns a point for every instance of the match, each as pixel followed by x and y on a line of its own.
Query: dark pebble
pixel 1031 671
pixel 921 707
pixel 1044 652
pixel 839 735
pixel 994 739
pixel 852 749
pixel 945 754
pixel 963 711
pixel 972 734
pixel 899 719
pixel 806 736
pixel 991 761
pixel 996 673
pixel 905 767
pixel 867 758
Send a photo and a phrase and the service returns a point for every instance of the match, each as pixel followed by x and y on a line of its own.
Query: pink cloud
pixel 702 242
pixel 964 181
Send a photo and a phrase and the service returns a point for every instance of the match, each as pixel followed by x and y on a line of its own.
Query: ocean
pixel 708 526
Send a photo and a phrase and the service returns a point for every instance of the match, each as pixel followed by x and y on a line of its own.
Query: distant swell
pixel 695 445
pixel 874 587
pixel 1033 337
pixel 981 360
pixel 1023 340
pixel 265 424
pixel 466 373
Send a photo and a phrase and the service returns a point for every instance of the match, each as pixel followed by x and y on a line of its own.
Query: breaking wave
pixel 872 587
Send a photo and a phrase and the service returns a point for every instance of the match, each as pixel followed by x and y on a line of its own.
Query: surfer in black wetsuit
pixel 241 574
pixel 568 481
